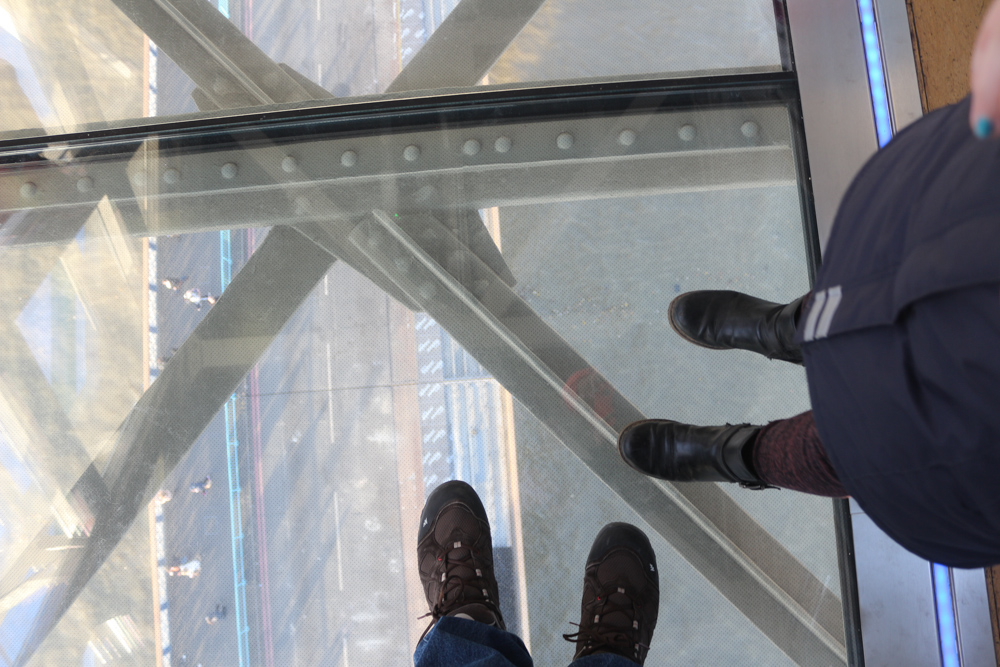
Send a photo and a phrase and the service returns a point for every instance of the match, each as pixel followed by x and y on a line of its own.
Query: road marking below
pixel 340 560
pixel 329 391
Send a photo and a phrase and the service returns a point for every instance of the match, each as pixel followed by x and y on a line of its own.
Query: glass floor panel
pixel 240 350
pixel 238 358
pixel 119 60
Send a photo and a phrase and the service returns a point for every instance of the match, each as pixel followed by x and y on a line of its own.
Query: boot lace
pixel 457 586
pixel 599 635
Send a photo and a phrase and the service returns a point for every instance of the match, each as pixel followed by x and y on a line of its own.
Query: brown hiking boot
pixel 455 555
pixel 621 595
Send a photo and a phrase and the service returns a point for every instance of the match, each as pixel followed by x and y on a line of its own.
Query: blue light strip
pixel 233 466
pixel 876 76
pixel 947 634
pixel 236 528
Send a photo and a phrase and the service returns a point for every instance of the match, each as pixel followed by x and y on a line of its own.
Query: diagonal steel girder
pixel 204 372
pixel 710 530
pixel 517 347
pixel 760 586
pixel 228 68
pixel 208 367
pixel 233 72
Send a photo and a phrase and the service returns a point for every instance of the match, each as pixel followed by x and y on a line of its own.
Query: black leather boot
pixel 724 320
pixel 684 453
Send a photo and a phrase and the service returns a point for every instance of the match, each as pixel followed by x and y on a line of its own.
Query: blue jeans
pixel 457 642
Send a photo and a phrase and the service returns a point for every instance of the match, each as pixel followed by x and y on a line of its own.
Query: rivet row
pixel 411 153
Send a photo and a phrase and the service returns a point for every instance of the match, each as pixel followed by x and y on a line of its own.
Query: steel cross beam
pixel 201 376
pixel 744 562
pixel 781 629
pixel 227 343
pixel 231 71
pixel 228 68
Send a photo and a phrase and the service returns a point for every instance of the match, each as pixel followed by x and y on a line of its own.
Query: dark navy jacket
pixel 902 341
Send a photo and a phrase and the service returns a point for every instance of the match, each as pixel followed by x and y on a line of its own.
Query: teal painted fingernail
pixel 984 127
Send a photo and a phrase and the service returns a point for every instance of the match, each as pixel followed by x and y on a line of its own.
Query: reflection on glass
pixel 194 478
pixel 116 60
pixel 484 301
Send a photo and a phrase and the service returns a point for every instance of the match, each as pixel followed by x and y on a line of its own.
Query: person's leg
pixel 786 454
pixel 459 642
pixel 789 454
pixel 455 557
pixel 621 599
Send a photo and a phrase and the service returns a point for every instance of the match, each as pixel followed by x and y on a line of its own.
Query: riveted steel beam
pixel 231 184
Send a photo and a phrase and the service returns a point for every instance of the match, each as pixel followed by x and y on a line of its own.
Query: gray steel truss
pixel 321 212
pixel 203 373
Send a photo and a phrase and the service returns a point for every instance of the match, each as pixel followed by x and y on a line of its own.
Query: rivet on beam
pixel 471 147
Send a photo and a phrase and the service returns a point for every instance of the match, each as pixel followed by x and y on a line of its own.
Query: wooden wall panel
pixel 943 32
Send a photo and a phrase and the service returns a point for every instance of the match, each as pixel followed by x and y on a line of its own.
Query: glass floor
pixel 273 271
